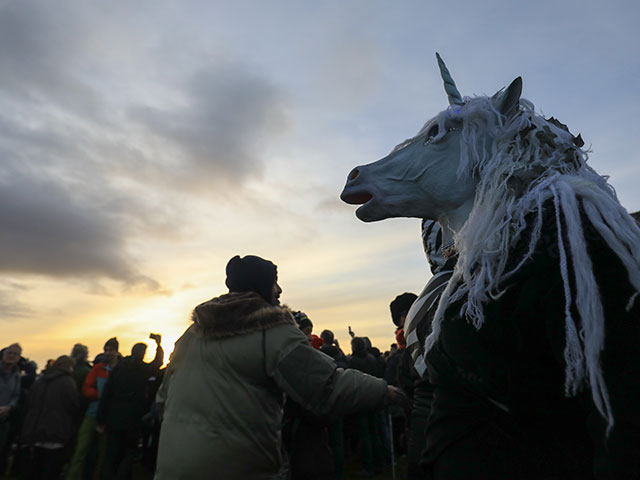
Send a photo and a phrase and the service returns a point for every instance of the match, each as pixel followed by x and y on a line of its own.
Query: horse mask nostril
pixel 354 174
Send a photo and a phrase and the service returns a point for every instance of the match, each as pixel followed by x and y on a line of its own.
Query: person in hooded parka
pixel 228 375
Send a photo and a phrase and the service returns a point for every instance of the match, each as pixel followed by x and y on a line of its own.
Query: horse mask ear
pixel 506 100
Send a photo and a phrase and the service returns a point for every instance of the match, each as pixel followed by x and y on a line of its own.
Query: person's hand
pixel 157 337
pixel 100 428
pixel 4 411
pixel 396 396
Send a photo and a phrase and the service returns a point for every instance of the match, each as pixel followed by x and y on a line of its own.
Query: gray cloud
pixel 60 217
pixel 46 231
pixel 86 168
pixel 230 118
pixel 41 45
pixel 51 224
pixel 11 307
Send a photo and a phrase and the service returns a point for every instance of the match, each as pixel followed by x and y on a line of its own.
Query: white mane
pixel 521 162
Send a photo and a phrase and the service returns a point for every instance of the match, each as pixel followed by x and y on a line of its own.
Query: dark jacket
pixel 80 372
pixel 334 352
pixel 364 362
pixel 122 404
pixel 391 368
pixel 53 406
pixel 503 385
pixel 9 387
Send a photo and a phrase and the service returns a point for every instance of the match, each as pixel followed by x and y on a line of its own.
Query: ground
pixel 352 472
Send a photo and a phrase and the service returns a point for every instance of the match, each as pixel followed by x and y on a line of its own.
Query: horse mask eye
pixel 433 132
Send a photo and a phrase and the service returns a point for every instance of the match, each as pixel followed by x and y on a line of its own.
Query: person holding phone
pixel 122 407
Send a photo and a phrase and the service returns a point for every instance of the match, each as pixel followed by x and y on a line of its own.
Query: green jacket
pixel 226 384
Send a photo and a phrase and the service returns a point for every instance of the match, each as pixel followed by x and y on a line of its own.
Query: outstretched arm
pixel 312 380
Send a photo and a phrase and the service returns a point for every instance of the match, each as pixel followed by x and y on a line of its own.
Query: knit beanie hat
pixel 302 320
pixel 251 274
pixel 400 306
pixel 113 343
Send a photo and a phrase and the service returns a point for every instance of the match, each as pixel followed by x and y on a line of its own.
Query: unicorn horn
pixel 449 85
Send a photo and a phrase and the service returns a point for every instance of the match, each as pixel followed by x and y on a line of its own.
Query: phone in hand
pixel 155 336
pixel 351 332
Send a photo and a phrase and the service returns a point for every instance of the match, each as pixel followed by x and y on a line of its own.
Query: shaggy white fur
pixel 521 162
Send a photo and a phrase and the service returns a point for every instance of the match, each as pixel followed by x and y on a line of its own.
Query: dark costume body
pixel 412 376
pixel 416 385
pixel 499 410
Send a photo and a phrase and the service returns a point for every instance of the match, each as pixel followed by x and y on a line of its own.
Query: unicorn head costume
pixel 491 170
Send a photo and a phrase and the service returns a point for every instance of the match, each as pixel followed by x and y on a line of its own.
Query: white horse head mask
pixel 430 175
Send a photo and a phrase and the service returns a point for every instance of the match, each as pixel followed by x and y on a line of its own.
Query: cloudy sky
pixel 142 144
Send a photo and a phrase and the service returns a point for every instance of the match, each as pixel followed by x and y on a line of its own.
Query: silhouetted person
pixel 88 443
pixel 50 421
pixel 399 308
pixel 122 407
pixel 369 432
pixel 305 435
pixel 82 367
pixel 226 380
pixel 9 396
pixel 331 347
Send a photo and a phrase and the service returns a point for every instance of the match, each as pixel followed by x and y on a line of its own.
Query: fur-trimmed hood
pixel 238 313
